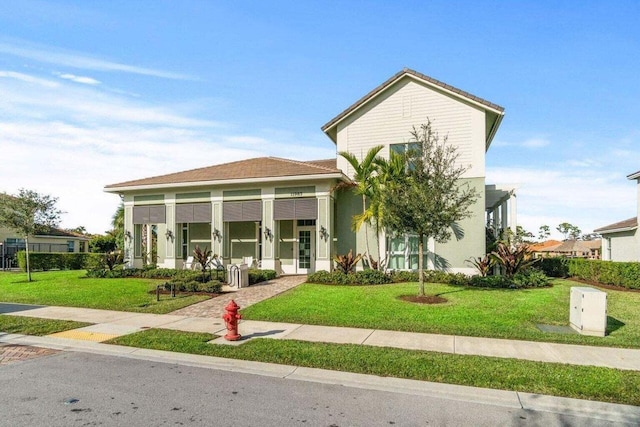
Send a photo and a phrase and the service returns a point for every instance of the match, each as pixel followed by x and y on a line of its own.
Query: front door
pixel 306 262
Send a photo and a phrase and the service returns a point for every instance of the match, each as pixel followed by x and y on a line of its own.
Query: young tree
pixel 544 232
pixel 429 198
pixel 363 185
pixel 28 213
pixel 569 231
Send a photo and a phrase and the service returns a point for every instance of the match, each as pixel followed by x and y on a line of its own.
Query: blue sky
pixel 93 93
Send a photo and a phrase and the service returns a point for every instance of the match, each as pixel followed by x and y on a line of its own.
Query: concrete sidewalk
pixel 109 324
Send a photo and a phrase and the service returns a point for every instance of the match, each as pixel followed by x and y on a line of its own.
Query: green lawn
pixel 583 382
pixel 472 312
pixel 35 326
pixel 73 289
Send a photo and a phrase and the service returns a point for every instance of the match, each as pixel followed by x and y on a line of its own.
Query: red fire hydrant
pixel 231 318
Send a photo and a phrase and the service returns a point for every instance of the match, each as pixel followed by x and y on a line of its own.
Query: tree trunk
pixel 26 241
pixel 420 266
pixel 366 227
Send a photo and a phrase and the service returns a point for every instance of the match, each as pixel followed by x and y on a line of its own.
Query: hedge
pixel 57 260
pixel 624 274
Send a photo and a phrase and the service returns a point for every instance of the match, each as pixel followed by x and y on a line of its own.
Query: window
pixel 71 245
pixel 306 222
pixel 403 253
pixel 83 246
pixel 403 149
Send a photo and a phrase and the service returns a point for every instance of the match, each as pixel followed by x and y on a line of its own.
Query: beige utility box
pixel 588 312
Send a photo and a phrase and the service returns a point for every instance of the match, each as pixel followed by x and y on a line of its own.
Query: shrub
pixel 431 276
pixel 512 258
pixel 625 274
pixel 370 277
pixel 347 263
pixel 257 276
pixel 531 278
pixel 56 260
pixel 554 267
pixel 336 277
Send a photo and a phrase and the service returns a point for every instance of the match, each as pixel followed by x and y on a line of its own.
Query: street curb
pixel 511 399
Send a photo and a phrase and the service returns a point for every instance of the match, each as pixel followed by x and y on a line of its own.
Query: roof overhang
pixel 635 175
pixel 495 195
pixel 615 230
pixel 316 177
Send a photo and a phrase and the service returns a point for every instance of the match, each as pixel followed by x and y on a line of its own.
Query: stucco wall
pixel 624 246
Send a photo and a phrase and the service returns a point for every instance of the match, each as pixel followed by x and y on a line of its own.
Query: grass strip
pixel 582 382
pixel 495 313
pixel 35 326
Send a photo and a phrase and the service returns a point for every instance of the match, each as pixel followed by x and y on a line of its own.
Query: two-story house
pixel 621 240
pixel 285 213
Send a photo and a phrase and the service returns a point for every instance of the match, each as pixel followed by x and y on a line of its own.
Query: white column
pixel 513 213
pixel 217 225
pixel 268 242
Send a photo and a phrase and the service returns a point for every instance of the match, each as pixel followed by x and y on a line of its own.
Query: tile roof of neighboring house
pixel 56 232
pixel 545 246
pixel 261 167
pixel 627 224
pixel 408 71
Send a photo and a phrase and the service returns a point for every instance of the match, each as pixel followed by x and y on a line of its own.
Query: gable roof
pixel 626 225
pixel 331 132
pixel 250 169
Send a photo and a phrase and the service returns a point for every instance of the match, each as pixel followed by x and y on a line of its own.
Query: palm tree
pixel 117 222
pixel 388 172
pixel 363 184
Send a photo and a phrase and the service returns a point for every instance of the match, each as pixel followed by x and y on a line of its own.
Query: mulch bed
pixel 426 299
pixel 602 285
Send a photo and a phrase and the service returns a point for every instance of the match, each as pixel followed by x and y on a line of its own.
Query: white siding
pixel 389 118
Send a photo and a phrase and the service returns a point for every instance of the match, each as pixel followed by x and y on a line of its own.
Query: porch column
pixel 170 227
pixel 504 216
pixel 269 236
pixel 129 254
pixel 217 226
pixel 513 214
pixel 324 231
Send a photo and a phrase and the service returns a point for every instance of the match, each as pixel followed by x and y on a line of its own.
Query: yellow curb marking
pixel 84 335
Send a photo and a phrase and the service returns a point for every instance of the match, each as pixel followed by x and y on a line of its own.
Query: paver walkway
pixel 17 353
pixel 244 297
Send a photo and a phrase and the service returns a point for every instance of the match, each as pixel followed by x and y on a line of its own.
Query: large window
pixel 403 253
pixel 70 245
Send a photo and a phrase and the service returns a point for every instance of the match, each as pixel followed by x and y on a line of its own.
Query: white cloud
pixel 70 141
pixel 52 55
pixel 535 143
pixel 587 198
pixel 79 79
pixel 27 78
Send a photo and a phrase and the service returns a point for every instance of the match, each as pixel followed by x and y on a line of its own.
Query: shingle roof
pixel 261 167
pixel 56 232
pixel 626 224
pixel 408 71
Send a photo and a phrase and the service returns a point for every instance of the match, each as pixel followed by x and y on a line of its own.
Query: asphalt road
pixel 81 389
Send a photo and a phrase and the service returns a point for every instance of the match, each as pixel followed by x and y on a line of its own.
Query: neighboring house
pixel 53 240
pixel 621 240
pixel 283 212
pixel 589 249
